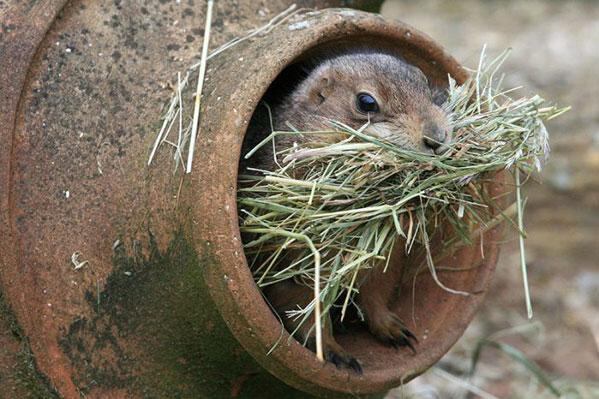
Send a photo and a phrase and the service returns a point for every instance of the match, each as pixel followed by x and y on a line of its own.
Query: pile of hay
pixel 354 198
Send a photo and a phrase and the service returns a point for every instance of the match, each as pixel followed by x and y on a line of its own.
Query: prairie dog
pixel 396 99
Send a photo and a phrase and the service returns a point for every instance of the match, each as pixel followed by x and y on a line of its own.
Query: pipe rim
pixel 241 303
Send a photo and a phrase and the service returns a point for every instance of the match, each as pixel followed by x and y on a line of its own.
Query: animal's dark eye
pixel 366 103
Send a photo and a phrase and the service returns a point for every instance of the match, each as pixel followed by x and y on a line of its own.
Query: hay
pixel 332 210
pixel 189 122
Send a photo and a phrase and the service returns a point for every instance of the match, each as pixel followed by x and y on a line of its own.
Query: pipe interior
pixel 427 310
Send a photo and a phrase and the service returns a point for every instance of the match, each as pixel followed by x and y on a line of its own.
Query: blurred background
pixel 555 54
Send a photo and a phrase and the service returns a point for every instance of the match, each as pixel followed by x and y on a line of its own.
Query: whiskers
pixel 392 133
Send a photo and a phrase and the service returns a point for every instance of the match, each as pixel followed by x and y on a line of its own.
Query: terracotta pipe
pixel 166 305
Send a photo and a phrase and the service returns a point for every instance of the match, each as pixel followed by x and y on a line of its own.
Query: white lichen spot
pixel 299 25
pixel 77 264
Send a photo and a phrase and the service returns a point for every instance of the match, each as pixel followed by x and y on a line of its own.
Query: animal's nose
pixel 434 136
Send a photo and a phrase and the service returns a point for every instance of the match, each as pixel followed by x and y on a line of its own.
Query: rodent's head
pixel 359 87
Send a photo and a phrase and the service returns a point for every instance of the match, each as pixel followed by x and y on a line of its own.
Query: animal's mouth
pixel 391 134
pixel 405 139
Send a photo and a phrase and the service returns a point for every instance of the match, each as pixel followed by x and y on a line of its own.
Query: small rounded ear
pixel 320 88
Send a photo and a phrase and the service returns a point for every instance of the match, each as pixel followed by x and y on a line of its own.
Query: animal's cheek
pixel 440 116
pixel 392 132
pixel 410 125
pixel 374 130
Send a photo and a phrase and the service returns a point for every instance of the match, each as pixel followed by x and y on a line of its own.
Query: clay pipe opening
pixel 238 80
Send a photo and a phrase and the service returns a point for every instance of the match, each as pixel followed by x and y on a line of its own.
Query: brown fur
pixel 408 116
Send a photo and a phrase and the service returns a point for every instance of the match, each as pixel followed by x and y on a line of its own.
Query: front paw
pixel 387 327
pixel 334 353
pixel 342 359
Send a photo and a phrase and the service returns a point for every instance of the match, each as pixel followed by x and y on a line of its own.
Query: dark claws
pixel 344 362
pixel 405 339
pixel 408 343
pixel 398 343
pixel 355 366
pixel 409 334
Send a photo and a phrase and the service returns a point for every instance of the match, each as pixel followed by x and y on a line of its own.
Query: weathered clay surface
pixel 19 377
pixel 166 305
pixel 86 113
